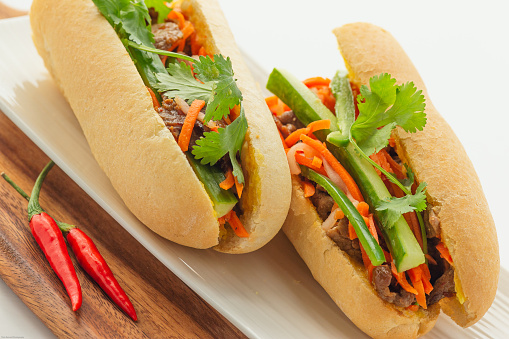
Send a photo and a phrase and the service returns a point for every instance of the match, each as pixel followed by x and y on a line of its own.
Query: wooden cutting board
pixel 166 307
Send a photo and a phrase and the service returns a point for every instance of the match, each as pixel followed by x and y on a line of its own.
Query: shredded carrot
pixel 195 46
pixel 295 136
pixel 411 219
pixel 444 252
pixel 234 112
pixel 338 168
pixel 239 187
pixel 271 101
pixel 154 99
pixel 317 162
pixel 187 30
pixel 401 278
pixel 325 95
pixel 316 81
pixel 367 263
pixel 228 183
pixel 397 168
pixel 283 140
pixel 430 259
pixel 276 106
pixel 372 227
pixel 237 226
pixel 387 255
pixel 303 160
pixel 163 59
pixel 420 278
pixel 202 51
pixel 426 277
pixel 420 296
pixel 222 220
pixel 187 127
pixel 380 159
pixel 339 214
pixel 177 16
pixel 309 189
pixel 318 125
pixel 351 232
pixel 363 209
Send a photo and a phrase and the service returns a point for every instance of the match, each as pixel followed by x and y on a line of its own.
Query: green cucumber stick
pixel 211 177
pixel 345 108
pixel 304 103
pixel 402 243
pixel 403 246
pixel 368 242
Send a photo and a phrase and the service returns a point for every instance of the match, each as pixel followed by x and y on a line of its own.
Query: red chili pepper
pixel 50 239
pixel 52 242
pixel 86 253
pixel 94 264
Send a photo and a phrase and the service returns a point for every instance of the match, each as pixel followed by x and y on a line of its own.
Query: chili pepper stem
pixel 16 187
pixel 33 204
pixel 64 227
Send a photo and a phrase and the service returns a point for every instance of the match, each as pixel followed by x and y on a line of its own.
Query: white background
pixel 461 49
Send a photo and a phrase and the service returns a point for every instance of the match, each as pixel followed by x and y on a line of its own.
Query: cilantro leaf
pixel 160 7
pixel 214 145
pixel 386 104
pixel 378 140
pixel 129 18
pixel 394 208
pixel 408 108
pixel 181 82
pixel 225 94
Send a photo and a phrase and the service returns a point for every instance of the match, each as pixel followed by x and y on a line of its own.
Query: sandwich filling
pixel 390 202
pixel 194 93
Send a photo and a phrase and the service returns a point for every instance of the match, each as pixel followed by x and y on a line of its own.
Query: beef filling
pixel 166 35
pixel 174 118
pixel 339 234
pixel 322 201
pixel 443 287
pixel 385 286
pixel 432 222
pixel 287 123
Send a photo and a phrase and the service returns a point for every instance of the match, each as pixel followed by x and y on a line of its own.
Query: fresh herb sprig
pixel 218 87
pixel 382 107
pixel 129 18
pixel 213 146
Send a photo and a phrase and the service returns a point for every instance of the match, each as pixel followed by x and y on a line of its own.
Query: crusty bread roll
pixel 130 141
pixel 437 158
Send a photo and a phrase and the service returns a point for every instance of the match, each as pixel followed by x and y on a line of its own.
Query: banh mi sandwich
pixel 172 115
pixel 387 210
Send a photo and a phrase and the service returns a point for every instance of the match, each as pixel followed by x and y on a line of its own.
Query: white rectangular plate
pixel 266 294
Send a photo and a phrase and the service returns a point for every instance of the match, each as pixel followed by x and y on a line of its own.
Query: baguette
pixel 131 142
pixel 453 189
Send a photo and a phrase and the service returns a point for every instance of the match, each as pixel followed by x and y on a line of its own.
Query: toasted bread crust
pixel 130 141
pixel 437 157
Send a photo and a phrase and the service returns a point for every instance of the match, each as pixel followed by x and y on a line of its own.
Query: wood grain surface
pixel 166 307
